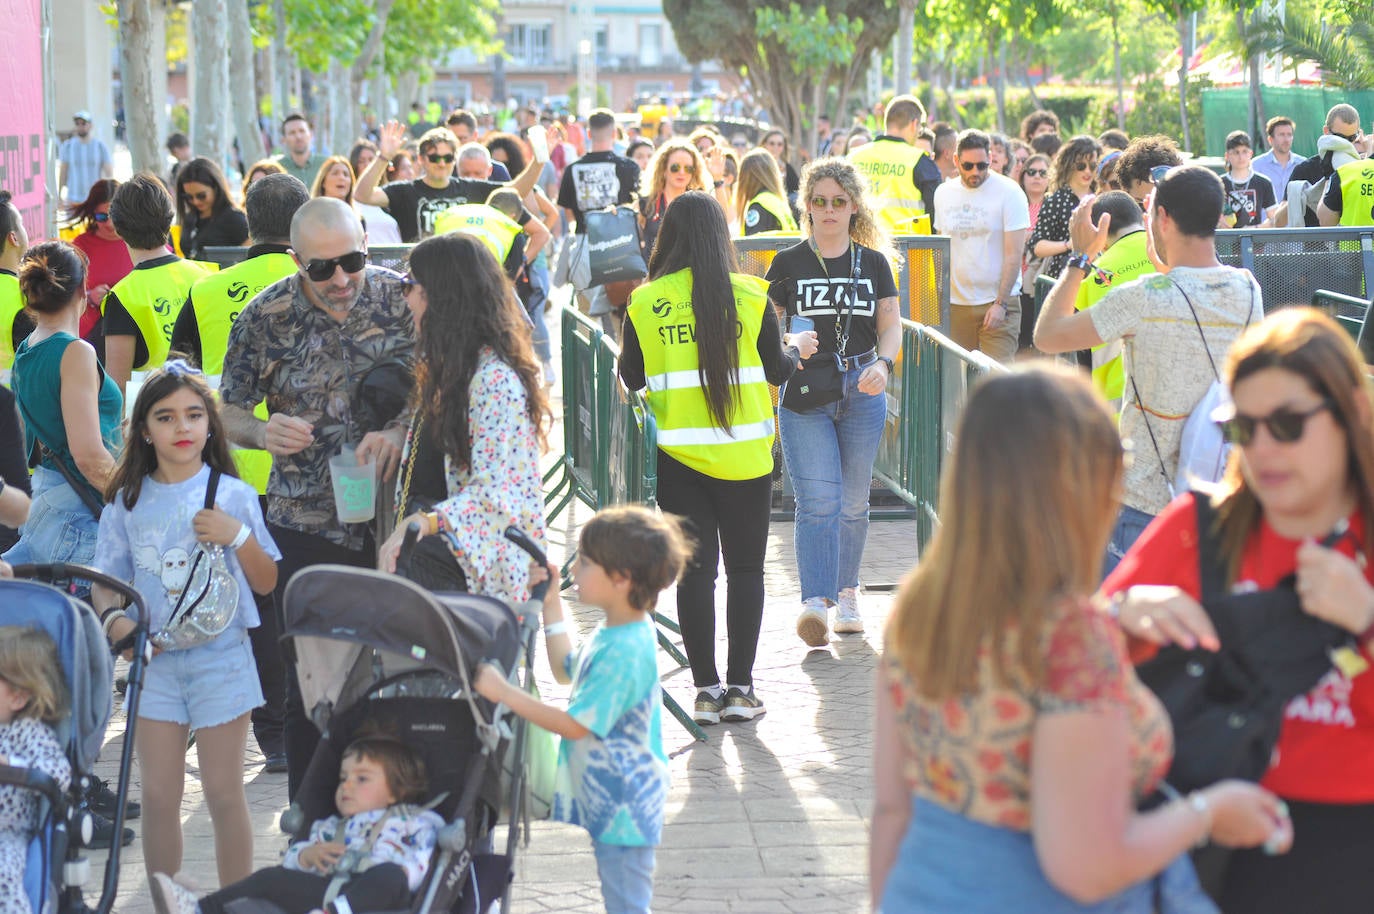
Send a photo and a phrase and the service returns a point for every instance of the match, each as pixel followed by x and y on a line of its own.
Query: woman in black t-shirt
pixel 207 215
pixel 839 277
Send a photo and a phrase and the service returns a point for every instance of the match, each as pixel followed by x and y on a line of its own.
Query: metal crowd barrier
pixel 1291 265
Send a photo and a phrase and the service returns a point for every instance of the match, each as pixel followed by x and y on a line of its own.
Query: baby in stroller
pixel 33 698
pixel 370 857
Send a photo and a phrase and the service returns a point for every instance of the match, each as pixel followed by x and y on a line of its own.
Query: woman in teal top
pixel 71 411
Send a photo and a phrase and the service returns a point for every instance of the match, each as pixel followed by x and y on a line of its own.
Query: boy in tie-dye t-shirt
pixel 612 773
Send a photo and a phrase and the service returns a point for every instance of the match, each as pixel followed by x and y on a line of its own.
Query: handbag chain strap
pixel 410 459
pixel 842 335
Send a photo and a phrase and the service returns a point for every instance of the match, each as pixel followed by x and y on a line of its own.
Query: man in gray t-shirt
pixel 1176 327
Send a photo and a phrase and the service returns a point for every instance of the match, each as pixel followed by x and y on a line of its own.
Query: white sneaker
pixel 812 624
pixel 847 618
pixel 171 897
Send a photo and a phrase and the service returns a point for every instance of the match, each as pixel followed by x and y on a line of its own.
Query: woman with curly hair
pixel 470 467
pixel 205 212
pixel 106 253
pixel 1075 168
pixel 676 168
pixel 832 411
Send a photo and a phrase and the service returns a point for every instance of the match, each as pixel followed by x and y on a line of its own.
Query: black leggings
pixel 301 550
pixel 380 888
pixel 730 517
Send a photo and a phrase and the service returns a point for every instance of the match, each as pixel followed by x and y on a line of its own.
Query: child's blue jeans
pixel 627 877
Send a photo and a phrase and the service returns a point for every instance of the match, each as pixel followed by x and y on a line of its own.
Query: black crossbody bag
pixel 819 380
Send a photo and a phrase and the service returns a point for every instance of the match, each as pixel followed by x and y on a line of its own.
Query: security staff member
pixel 902 178
pixel 142 308
pixel 1349 198
pixel 14 323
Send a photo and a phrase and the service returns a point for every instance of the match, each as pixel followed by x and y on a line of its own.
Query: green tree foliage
pixel 1338 38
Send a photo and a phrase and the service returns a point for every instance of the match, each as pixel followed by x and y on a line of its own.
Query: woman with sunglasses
pixel 832 411
pixel 206 214
pixel 470 467
pixel 1035 181
pixel 106 253
pixel 675 169
pixel 1302 423
pixel 1075 167
pixel 1012 740
pixel 715 432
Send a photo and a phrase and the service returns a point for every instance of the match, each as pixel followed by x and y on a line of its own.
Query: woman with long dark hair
pixel 470 467
pixel 715 431
pixel 206 213
pixel 107 256
pixel 1075 169
pixel 1297 497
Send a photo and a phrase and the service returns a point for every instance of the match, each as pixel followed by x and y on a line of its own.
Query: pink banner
pixel 23 162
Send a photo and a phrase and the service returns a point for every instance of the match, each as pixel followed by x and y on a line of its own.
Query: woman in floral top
pixel 473 450
pixel 1012 739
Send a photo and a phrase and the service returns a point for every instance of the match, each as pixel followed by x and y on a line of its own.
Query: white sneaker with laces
pixel 171 897
pixel 847 618
pixel 812 624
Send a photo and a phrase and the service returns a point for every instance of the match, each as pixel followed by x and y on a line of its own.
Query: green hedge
pixel 1081 109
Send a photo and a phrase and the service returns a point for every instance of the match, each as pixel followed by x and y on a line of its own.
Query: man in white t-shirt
pixel 986 217
pixel 83 159
pixel 1165 320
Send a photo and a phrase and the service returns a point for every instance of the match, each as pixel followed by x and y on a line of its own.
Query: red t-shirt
pixel 1325 752
pixel 109 263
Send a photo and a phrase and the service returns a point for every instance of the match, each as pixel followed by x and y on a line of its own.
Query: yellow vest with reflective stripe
pixel 153 298
pixel 776 207
pixel 494 228
pixel 666 325
pixel 11 303
pixel 1357 192
pixel 890 167
pixel 216 302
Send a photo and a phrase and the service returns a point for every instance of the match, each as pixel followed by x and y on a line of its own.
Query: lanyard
pixel 842 335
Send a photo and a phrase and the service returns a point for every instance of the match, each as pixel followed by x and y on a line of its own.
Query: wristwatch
pixel 888 361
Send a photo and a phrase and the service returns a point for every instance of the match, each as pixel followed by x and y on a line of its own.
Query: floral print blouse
pixel 502 487
pixel 971 754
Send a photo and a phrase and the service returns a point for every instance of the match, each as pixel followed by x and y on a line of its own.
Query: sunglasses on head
pixel 1285 425
pixel 197 197
pixel 437 158
pixel 101 217
pixel 1037 172
pixel 970 166
pixel 1158 172
pixel 679 167
pixel 830 203
pixel 323 270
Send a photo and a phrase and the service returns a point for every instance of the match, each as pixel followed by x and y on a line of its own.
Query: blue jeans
pixel 829 453
pixel 1130 523
pixel 539 282
pixel 60 527
pixel 627 877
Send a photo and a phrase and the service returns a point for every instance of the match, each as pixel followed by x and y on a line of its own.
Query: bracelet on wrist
pixel 556 628
pixel 240 538
pixel 108 620
pixel 1080 261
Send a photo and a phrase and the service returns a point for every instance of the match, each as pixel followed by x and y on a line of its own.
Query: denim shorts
pixel 204 686
pixel 60 527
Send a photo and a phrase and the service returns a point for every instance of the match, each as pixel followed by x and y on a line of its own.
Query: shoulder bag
pixel 429 562
pixel 210 598
pixel 819 380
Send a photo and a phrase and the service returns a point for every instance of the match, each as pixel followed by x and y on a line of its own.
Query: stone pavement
pixel 767 816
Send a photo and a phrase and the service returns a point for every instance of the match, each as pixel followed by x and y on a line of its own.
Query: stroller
pixel 377 651
pixel 56 869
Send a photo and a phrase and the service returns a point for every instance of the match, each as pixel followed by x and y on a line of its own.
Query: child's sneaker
pixel 708 707
pixel 171 897
pixel 812 625
pixel 741 704
pixel 847 618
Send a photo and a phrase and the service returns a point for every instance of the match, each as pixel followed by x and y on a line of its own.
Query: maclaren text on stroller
pixel 376 652
pixel 56 868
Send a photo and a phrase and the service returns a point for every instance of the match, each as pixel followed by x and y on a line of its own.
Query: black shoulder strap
pixel 211 488
pixel 1211 564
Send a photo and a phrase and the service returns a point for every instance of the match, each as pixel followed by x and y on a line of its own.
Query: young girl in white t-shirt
pixel 197 567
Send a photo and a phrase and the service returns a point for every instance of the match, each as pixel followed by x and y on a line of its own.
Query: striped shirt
pixel 83 159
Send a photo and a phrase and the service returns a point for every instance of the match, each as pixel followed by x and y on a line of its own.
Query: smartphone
pixel 801 324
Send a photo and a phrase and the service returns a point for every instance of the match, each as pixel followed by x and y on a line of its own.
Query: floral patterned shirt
pixel 971 754
pixel 286 351
pixel 501 488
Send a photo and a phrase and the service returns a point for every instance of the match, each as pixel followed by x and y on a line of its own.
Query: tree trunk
pixel 906 36
pixel 209 30
pixel 408 90
pixel 136 74
pixel 1116 61
pixel 342 108
pixel 999 85
pixel 243 84
pixel 1254 63
pixel 283 67
pixel 1185 48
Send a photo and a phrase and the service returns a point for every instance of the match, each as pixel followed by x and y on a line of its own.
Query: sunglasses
pixel 677 167
pixel 436 158
pixel 101 217
pixel 1158 172
pixel 197 197
pixel 1037 172
pixel 407 283
pixel 1285 425
pixel 831 203
pixel 970 166
pixel 323 270
pixel 1084 165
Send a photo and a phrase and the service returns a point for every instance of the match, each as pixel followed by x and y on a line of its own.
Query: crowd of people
pixel 1019 760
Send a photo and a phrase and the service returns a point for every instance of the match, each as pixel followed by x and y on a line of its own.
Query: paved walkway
pixel 767 816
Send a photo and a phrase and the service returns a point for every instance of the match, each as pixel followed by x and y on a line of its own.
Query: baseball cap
pixel 82 115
